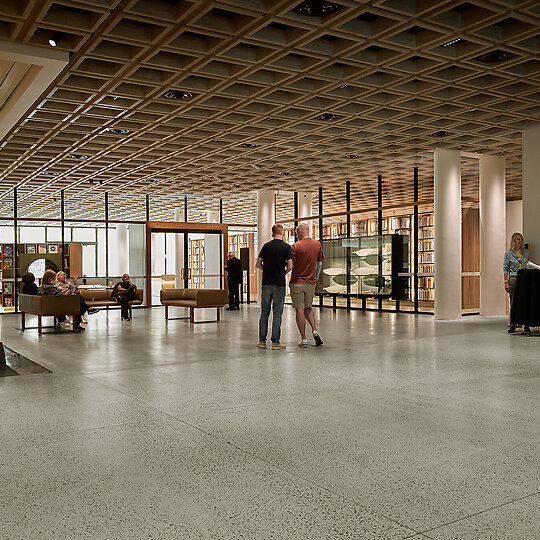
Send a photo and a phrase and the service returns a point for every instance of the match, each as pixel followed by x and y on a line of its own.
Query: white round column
pixel 492 235
pixel 179 215
pixel 212 250
pixel 447 225
pixel 531 190
pixel 266 217
pixel 305 208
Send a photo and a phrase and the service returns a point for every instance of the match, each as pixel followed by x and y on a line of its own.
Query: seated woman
pixel 71 289
pixel 49 287
pixel 29 286
pixel 123 292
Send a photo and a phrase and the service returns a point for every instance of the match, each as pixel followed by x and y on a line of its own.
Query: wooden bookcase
pixel 246 240
pixel 196 263
pixel 32 251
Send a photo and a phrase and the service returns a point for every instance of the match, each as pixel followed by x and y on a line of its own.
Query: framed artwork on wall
pixel 8 249
pixel 42 248
pixel 53 248
pixel 8 262
pixel 7 287
pixel 30 248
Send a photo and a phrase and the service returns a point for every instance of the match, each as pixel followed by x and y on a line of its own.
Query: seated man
pixel 123 292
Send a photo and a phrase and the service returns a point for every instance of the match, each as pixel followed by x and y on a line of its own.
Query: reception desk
pixel 525 309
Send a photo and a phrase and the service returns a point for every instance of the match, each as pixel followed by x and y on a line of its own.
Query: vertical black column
pixel 221 210
pixel 295 214
pixel 62 229
pixel 185 213
pixel 320 230
pixel 348 231
pixel 106 238
pixel 15 252
pixel 147 207
pixel 415 240
pixel 379 232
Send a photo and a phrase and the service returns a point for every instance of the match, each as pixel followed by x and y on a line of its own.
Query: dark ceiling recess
pixel 117 131
pixel 494 56
pixel 440 134
pixel 77 156
pixel 327 116
pixel 316 8
pixel 177 94
pixel 249 145
pixel 368 17
pixel 352 156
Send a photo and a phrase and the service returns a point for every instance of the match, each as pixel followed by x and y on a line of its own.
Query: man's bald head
pixel 302 231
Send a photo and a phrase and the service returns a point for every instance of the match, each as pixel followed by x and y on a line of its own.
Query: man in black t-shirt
pixel 275 260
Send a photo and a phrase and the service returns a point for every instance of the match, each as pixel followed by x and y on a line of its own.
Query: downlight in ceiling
pixel 177 94
pixel 316 8
pixel 441 134
pixel 55 39
pixel 495 56
pixel 352 156
pixel 326 117
pixel 249 145
pixel 117 131
pixel 78 156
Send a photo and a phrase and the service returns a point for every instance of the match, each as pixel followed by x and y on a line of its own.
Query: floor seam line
pixel 481 512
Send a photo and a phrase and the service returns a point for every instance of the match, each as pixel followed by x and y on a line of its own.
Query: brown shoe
pixel 278 346
pixel 261 344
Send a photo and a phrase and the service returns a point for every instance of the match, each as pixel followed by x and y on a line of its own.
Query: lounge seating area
pixel 47 306
pixel 98 298
pixel 193 298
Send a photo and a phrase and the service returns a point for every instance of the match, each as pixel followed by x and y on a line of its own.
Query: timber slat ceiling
pixel 395 78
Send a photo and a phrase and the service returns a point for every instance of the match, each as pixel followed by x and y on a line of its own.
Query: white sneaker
pixel 65 324
pixel 317 338
pixel 303 343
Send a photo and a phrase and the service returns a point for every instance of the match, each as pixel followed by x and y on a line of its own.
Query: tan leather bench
pixel 102 298
pixel 48 306
pixel 193 298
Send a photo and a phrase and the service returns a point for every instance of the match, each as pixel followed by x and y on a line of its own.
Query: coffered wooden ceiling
pixel 272 99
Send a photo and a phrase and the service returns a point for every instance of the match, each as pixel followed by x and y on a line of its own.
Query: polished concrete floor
pixel 398 427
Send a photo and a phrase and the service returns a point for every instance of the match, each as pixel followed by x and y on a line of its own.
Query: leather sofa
pixel 102 298
pixel 48 306
pixel 193 298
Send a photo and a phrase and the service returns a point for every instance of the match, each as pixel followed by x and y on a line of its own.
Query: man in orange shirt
pixel 308 256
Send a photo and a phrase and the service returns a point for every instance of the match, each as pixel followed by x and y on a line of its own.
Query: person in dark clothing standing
pixel 275 260
pixel 234 279
pixel 29 286
pixel 123 292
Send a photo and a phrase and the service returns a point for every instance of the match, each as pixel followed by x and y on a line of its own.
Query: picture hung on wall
pixel 8 249
pixel 8 301
pixel 8 262
pixel 53 248
pixel 42 248
pixel 8 287
pixel 30 248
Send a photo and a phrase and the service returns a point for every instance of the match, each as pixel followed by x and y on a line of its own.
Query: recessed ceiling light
pixel 177 94
pixel 55 39
pixel 352 156
pixel 117 131
pixel 286 173
pixel 495 56
pixel 453 42
pixel 192 165
pixel 77 156
pixel 441 133
pixel 316 8
pixel 325 117
pixel 49 173
pixel 343 86
pixel 249 145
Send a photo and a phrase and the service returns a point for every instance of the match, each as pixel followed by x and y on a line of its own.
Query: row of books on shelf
pixel 425 221
pixel 426 257
pixel 426 245
pixel 426 233
pixel 426 295
pixel 7 249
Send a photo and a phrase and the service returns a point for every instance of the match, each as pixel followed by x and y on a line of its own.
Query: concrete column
pixel 447 225
pixel 492 235
pixel 531 190
pixel 212 250
pixel 179 215
pixel 266 217
pixel 514 220
pixel 305 208
pixel 121 256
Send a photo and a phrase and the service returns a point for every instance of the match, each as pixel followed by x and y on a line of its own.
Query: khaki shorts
pixel 302 295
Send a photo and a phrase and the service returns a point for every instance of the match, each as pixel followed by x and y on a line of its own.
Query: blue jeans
pixel 275 294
